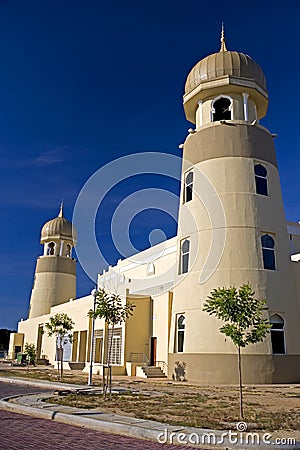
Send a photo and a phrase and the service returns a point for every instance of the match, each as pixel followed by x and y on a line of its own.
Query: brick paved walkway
pixel 8 389
pixel 20 432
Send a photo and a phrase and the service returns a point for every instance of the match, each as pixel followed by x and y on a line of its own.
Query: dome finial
pixel 223 43
pixel 61 212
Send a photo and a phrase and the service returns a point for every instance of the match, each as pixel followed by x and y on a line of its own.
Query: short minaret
pixel 55 273
pixel 232 228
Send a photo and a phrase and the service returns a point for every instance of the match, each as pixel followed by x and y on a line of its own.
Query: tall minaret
pixel 232 227
pixel 55 273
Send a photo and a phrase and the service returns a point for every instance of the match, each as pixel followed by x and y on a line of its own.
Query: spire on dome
pixel 223 43
pixel 61 212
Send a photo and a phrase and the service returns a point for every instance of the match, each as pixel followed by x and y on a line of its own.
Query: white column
pixel 255 110
pixel 45 249
pixel 61 248
pixel 245 103
pixel 199 114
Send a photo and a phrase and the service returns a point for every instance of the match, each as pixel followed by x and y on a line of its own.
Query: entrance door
pixel 153 351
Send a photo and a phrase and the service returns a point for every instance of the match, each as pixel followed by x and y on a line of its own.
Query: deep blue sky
pixel 83 82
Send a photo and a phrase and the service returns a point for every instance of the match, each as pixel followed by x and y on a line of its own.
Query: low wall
pixel 223 368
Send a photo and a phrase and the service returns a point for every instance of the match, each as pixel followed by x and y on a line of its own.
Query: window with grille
pixel 98 346
pixel 116 345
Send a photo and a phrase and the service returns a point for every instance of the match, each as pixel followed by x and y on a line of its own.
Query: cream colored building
pixel 232 231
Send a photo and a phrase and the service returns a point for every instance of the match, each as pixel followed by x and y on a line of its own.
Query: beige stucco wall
pixel 138 327
pixel 15 340
pixel 222 368
pixel 76 309
pixel 162 309
pixel 54 283
pixel 30 329
pixel 225 155
pixel 132 274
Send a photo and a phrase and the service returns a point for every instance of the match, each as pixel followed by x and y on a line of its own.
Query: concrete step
pixel 153 372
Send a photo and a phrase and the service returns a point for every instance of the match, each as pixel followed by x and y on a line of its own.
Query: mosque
pixel 232 230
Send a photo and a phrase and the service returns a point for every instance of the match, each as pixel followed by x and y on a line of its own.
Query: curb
pixel 140 428
pixel 137 431
pixel 41 383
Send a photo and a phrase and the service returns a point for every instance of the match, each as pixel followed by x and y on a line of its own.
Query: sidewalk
pixel 34 405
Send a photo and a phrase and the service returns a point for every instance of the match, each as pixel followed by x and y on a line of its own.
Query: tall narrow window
pixel 150 269
pixel 68 251
pixel 268 251
pixel 188 186
pixel 221 109
pixel 180 333
pixel 184 256
pixel 261 180
pixel 277 334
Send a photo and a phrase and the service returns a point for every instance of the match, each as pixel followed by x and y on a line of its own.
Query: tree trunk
pixel 240 383
pixel 61 362
pixel 108 376
pixel 58 359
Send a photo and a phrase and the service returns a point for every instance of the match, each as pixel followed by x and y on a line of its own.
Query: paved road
pixel 7 389
pixel 20 432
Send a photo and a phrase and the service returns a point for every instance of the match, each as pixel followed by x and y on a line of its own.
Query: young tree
pixel 110 307
pixel 30 351
pixel 243 317
pixel 60 325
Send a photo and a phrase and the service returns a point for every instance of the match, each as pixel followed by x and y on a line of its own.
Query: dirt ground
pixel 270 408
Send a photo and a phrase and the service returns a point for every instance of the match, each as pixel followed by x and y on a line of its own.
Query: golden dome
pixel 224 63
pixel 58 228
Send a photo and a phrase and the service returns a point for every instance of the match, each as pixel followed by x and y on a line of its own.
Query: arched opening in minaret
pixel 51 247
pixel 68 251
pixel 277 334
pixel 221 109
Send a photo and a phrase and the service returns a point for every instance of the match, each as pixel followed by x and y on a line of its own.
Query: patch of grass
pixel 208 406
pixel 188 410
pixel 45 375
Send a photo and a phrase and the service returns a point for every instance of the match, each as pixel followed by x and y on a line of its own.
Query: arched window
pixel 180 332
pixel 268 251
pixel 150 269
pixel 68 251
pixel 221 109
pixel 184 256
pixel 277 334
pixel 188 186
pixel 261 180
pixel 51 247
